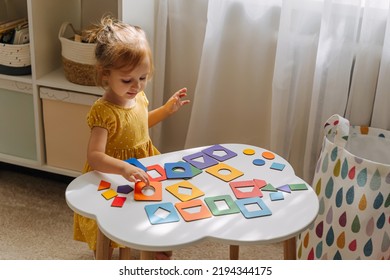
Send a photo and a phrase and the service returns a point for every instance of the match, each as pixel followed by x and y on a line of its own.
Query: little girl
pixel 120 120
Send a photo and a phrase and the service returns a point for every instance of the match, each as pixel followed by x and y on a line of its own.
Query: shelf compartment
pixel 65 126
pixel 17 125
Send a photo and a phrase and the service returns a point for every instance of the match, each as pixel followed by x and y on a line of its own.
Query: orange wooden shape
pixel 104 185
pixel 268 155
pixel 183 208
pixel 139 193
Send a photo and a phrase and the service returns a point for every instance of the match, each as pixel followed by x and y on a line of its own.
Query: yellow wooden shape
pixel 224 172
pixel 193 191
pixel 109 194
pixel 249 152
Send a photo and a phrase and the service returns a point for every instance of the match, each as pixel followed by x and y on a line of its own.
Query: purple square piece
pixel 211 151
pixel 207 160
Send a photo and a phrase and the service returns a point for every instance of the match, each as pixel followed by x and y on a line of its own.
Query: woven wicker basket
pixel 15 59
pixel 78 59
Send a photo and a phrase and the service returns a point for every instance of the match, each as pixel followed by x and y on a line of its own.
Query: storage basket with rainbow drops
pixel 352 181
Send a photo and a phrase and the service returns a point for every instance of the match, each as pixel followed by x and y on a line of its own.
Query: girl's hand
pixel 176 102
pixel 134 174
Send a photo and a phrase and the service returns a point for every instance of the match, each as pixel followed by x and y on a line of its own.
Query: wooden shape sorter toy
pixel 184 191
pixel 298 187
pixel 230 206
pixel 125 189
pixel 219 152
pixel 224 172
pixel 153 192
pixel 261 209
pixel 118 201
pixel 159 169
pixel 193 210
pixel 104 185
pixel 136 162
pixel 240 189
pixel 200 160
pixel 108 194
pixel 178 170
pixel 170 214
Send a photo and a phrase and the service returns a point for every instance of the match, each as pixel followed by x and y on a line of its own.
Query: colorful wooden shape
pixel 125 189
pixel 268 155
pixel 186 210
pixel 200 160
pixel 108 194
pixel 276 196
pixel 219 152
pixel 232 208
pixel 244 203
pixel 159 169
pixel 136 162
pixel 178 170
pixel 152 192
pixel 260 183
pixel 277 166
pixel 284 188
pixel 104 185
pixel 258 162
pixel 240 189
pixel 248 152
pixel 191 191
pixel 118 201
pixel 298 187
pixel 269 188
pixel 195 171
pixel 224 172
pixel 153 216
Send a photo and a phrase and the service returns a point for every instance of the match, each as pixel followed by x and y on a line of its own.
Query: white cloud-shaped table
pixel 291 211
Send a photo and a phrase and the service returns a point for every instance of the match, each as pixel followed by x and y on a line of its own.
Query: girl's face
pixel 124 85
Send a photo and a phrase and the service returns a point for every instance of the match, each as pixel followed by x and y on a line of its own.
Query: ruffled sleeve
pixel 101 116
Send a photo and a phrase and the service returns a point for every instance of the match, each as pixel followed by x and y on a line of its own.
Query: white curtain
pixel 269 73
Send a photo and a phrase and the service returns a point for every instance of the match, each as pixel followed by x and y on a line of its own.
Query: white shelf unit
pixel 24 117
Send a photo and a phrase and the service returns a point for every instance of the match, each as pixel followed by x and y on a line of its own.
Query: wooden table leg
pixel 289 247
pixel 147 255
pixel 125 253
pixel 102 246
pixel 234 252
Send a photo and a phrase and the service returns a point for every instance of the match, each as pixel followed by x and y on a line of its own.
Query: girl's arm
pixel 173 105
pixel 100 161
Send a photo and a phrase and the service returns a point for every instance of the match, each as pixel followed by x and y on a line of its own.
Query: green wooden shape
pixel 298 187
pixel 211 203
pixel 269 188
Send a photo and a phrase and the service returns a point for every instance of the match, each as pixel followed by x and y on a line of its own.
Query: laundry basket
pixel 352 182
pixel 78 58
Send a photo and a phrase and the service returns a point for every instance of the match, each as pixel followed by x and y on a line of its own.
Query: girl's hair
pixel 118 45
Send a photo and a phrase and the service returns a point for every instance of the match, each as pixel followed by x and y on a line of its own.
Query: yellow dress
pixel 128 136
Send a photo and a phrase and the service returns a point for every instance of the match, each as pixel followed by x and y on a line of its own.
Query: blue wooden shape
pixel 264 210
pixel 151 210
pixel 211 152
pixel 277 166
pixel 258 161
pixel 276 196
pixel 136 163
pixel 184 167
pixel 207 160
